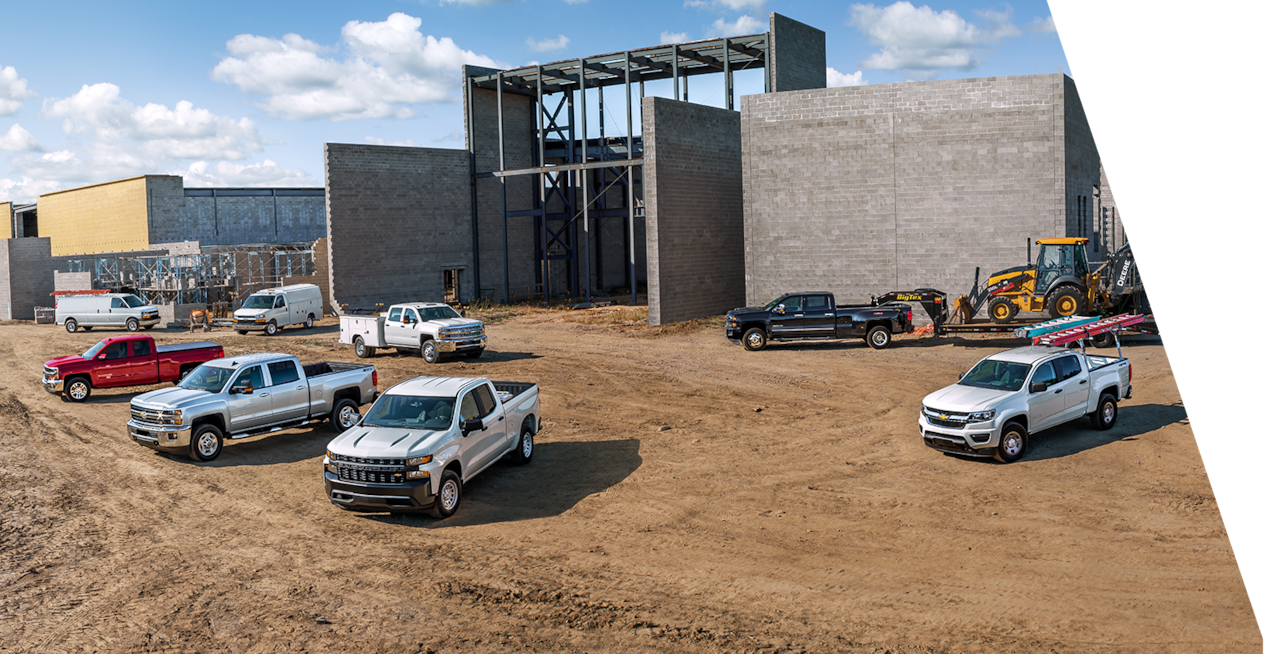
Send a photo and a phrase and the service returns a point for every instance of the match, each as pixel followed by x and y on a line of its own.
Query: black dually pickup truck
pixel 815 315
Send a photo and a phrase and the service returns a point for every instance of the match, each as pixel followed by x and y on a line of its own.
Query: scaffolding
pixel 574 172
pixel 217 275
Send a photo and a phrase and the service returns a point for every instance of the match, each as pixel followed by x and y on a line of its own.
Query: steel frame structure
pixel 575 172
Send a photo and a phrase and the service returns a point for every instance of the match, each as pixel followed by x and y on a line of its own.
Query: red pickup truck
pixel 131 360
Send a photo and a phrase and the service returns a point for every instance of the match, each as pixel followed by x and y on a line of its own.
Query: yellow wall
pixel 109 217
pixel 6 220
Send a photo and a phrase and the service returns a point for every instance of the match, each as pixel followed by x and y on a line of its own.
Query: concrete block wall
pixel 695 210
pixel 26 277
pixel 246 219
pixel 1082 171
pixel 865 190
pixel 6 216
pixel 1110 225
pixel 397 218
pixel 69 281
pixel 799 58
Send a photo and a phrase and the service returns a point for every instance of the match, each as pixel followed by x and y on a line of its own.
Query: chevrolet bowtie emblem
pixel 943 416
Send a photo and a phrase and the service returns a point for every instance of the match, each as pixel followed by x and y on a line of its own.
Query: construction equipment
pixel 1059 282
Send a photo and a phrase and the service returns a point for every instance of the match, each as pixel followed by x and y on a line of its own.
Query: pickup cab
pixel 240 396
pixel 429 328
pixel 1006 397
pixel 425 438
pixel 124 361
pixel 815 316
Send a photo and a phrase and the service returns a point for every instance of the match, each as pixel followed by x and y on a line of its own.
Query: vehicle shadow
pixel 289 446
pixel 1079 435
pixel 561 475
pixel 489 355
pixel 98 397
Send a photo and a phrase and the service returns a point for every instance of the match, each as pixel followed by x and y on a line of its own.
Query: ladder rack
pixel 1088 330
pixel 1039 329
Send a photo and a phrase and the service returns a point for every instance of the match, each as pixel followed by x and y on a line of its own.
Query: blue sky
pixel 244 94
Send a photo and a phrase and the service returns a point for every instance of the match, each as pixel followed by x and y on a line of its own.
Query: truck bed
pixel 330 367
pixel 182 347
pixel 1096 361
pixel 508 391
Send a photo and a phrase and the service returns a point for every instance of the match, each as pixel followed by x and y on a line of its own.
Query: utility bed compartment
pixel 369 328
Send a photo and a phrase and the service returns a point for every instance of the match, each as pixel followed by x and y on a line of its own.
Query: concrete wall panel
pixel 799 57
pixel 695 210
pixel 109 217
pixel 6 215
pixel 26 277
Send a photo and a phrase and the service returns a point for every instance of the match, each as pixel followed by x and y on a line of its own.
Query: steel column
pixel 726 74
pixel 584 175
pixel 506 259
pixel 475 210
pixel 629 186
pixel 675 50
pixel 541 180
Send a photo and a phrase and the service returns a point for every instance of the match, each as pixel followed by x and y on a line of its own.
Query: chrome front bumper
pixel 460 344
pixel 155 436
pixel 53 386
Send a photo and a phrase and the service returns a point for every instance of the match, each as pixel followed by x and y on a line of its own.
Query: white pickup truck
pixel 1007 396
pixel 430 328
pixel 424 438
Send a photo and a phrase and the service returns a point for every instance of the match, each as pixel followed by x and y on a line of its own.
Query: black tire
pixel 241 331
pixel 879 337
pixel 72 325
pixel 1066 301
pixel 132 324
pixel 341 416
pixel 362 350
pixel 1002 310
pixel 271 328
pixel 429 351
pixel 755 339
pixel 475 354
pixel 1106 412
pixel 449 496
pixel 523 452
pixel 206 443
pixel 78 389
pixel 308 322
pixel 1013 440
pixel 1103 340
pixel 87 328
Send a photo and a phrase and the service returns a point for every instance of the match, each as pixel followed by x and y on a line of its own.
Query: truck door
pixel 486 444
pixel 113 366
pixel 289 393
pixel 1047 404
pixel 249 409
pixel 820 317
pixel 1074 381
pixel 143 365
pixel 788 322
pixel 401 328
pixel 280 313
pixel 117 310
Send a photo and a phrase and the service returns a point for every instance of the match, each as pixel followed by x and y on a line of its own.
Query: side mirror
pixel 962 375
pixel 1038 387
pixel 243 390
pixel 101 357
pixel 468 426
pixel 779 309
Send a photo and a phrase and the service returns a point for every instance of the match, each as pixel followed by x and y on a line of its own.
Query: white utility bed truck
pixel 1006 397
pixel 430 328
pixel 426 437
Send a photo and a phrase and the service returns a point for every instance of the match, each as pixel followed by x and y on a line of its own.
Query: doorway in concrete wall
pixel 453 286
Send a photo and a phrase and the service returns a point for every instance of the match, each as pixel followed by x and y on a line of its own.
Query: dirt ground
pixel 686 495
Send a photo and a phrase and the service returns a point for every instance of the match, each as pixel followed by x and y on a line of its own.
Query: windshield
pixel 132 301
pixel 94 350
pixel 771 305
pixel 438 313
pixel 207 378
pixel 410 412
pixel 258 302
pixel 997 375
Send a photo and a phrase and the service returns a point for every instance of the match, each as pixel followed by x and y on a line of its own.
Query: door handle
pixel 299 388
pixel 1056 392
pixel 501 418
pixel 266 394
pixel 1083 382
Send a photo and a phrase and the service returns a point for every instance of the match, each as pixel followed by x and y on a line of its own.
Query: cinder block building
pixel 868 189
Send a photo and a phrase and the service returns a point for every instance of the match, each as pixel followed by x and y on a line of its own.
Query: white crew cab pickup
pixel 1007 396
pixel 426 437
pixel 430 328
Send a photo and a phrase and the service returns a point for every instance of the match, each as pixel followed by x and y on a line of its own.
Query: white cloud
pixel 733 5
pixel 19 140
pixel 391 67
pixel 12 91
pixel 842 79
pixel 225 173
pixel 374 140
pixel 1042 25
pixel 743 25
pixel 921 41
pixel 26 189
pixel 546 45
pixel 153 130
pixel 673 37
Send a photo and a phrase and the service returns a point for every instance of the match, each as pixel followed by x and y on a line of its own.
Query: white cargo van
pixel 275 308
pixel 125 310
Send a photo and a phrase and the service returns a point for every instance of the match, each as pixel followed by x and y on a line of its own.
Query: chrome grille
pixel 951 421
pixel 370 476
pixel 368 461
pixel 148 416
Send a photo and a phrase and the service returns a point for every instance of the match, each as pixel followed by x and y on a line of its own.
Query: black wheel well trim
pixel 755 324
pixel 352 393
pixel 1112 391
pixel 215 420
pixel 880 322
pixel 530 421
pixel 456 466
pixel 1020 419
pixel 80 375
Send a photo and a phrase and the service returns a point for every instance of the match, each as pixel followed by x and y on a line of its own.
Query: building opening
pixel 453 286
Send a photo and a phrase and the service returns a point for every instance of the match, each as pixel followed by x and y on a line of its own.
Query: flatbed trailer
pixel 936 304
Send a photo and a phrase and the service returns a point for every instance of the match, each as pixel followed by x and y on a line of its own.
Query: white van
pixel 105 310
pixel 275 308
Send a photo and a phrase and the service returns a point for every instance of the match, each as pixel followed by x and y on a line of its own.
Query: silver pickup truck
pixel 241 396
pixel 1006 397
pixel 426 437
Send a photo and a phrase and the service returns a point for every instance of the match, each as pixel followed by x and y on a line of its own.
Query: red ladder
pixel 1087 331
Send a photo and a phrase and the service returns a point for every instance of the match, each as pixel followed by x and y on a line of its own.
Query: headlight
pixel 982 416
pixel 418 460
pixel 330 455
pixel 417 474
